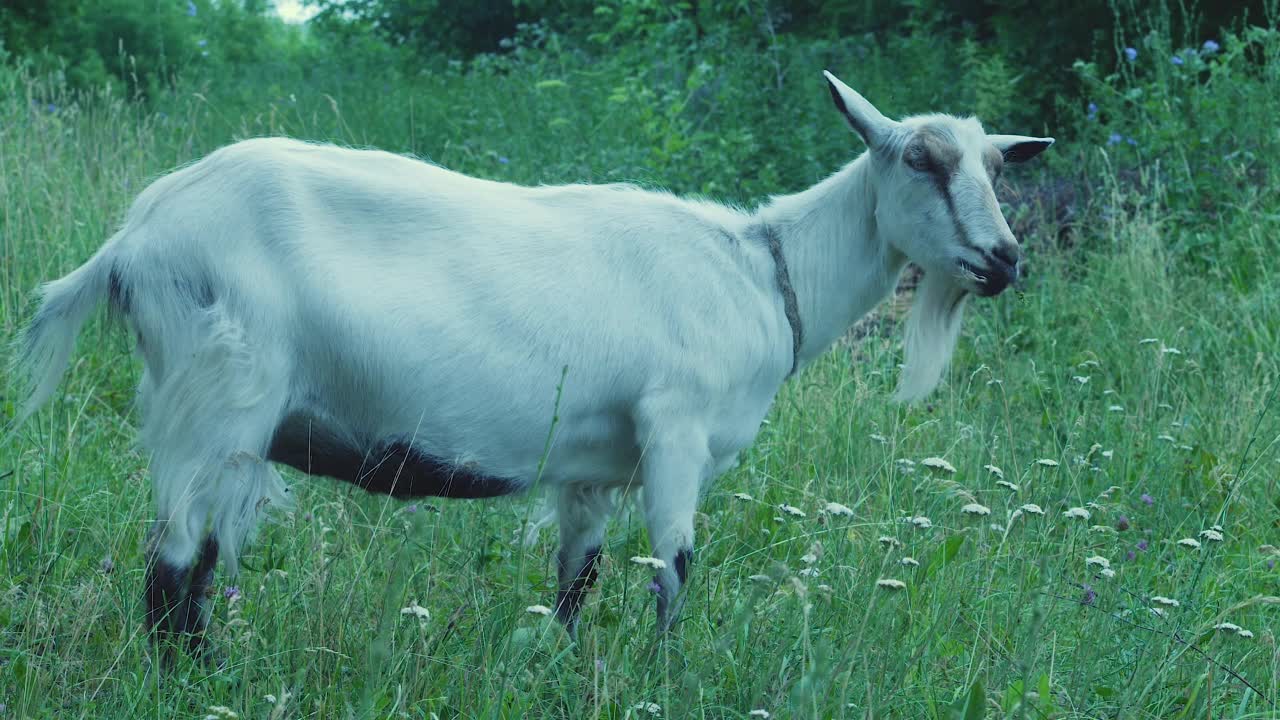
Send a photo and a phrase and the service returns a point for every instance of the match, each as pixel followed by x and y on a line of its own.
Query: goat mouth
pixel 985 282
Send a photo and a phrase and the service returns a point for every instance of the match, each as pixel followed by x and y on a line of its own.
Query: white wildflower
pixel 1165 601
pixel 975 509
pixel 1211 534
pixel 1047 462
pixel 791 510
pixel 909 561
pixel 1166 438
pixel 994 470
pixel 1007 485
pixel 878 438
pixel 1082 379
pixel 538 610
pixel 1107 573
pixel 651 708
pixel 938 463
pixel 1244 633
pixel 889 542
pixel 809 572
pixel 809 558
pixel 835 508
pixel 890 584
pixel 743 496
pixel 1158 612
pixel 1098 561
pixel 652 562
pixel 416 610
pixel 922 522
pixel 1189 542
pixel 269 698
pixel 760 578
pixel 221 712
pixel 759 713
pixel 1108 454
pixel 997 527
pixel 1148 341
pixel 1115 408
pixel 1170 350
pixel 1229 627
pixel 1076 513
pixel 1032 509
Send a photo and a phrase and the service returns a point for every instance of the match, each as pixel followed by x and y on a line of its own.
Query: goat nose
pixel 1007 253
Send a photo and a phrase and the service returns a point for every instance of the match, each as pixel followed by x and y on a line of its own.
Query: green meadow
pixel 1083 521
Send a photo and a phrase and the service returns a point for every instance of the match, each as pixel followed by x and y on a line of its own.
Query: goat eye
pixel 917 161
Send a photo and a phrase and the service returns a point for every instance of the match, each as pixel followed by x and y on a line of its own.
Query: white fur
pixel 393 299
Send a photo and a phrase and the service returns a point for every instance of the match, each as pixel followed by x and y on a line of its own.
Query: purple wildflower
pixel 411 509
pixel 308 517
pixel 1130 54
pixel 1089 595
pixel 1210 46
pixel 107 565
pixel 599 665
pixel 1123 523
pixel 1271 564
pixel 1130 556
pixel 231 592
pixel 1142 545
pixel 191 9
pixel 1177 59
pixel 654 587
pixel 1147 499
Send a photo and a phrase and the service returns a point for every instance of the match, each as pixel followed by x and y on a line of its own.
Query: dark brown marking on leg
pixel 574 589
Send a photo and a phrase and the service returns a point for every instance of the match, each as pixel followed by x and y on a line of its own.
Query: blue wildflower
pixel 51 108
pixel 1115 139
pixel 1131 141
pixel 1177 60
pixel 202 42
pixel 1089 595
pixel 1210 46
pixel 1093 111
pixel 503 159
pixel 1130 54
pixel 191 9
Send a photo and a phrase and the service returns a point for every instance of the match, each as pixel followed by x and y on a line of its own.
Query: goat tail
pixel 44 348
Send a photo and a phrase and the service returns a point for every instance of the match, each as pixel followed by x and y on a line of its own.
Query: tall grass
pixel 1133 376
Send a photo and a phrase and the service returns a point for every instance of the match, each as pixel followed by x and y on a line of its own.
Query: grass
pixel 1001 617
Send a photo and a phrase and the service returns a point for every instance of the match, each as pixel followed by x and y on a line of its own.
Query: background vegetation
pixel 1139 360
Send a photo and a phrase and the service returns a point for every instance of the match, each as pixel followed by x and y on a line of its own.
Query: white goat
pixel 390 323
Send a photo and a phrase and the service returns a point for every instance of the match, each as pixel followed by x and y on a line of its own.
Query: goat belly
pixel 392 468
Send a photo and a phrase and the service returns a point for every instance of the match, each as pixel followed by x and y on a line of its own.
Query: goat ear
pixel 863 117
pixel 1019 148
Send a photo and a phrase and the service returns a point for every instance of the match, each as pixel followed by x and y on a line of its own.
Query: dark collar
pixel 789 304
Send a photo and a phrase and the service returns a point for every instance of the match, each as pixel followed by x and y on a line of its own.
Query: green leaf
pixel 973 706
pixel 946 553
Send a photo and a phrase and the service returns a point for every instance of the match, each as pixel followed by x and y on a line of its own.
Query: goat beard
pixel 932 330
